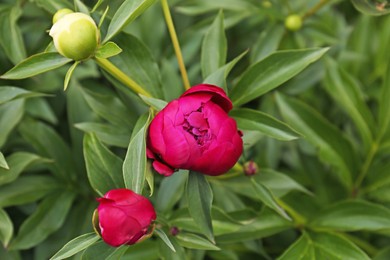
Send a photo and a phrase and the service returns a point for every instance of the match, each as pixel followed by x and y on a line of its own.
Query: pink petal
pixel 162 168
pixel 123 196
pixel 218 95
pixel 197 120
pixel 115 226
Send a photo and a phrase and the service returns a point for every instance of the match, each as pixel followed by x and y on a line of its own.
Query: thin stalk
pixel 315 8
pixel 299 220
pixel 122 77
pixel 366 165
pixel 175 42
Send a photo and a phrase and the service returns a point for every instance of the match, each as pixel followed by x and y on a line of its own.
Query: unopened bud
pixel 250 168
pixel 75 35
pixel 293 22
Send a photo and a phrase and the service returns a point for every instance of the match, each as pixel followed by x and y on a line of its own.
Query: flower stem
pixel 122 77
pixel 175 42
pixel 366 165
pixel 317 7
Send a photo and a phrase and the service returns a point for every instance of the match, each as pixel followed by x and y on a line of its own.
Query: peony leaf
pixel 354 216
pixel 11 114
pixel 318 245
pixel 69 74
pixel 334 148
pixel 193 241
pixel 161 234
pixel 271 72
pixel 46 219
pixel 108 50
pixel 265 195
pixel 103 167
pixel 3 162
pixel 101 250
pixel 249 119
pixel 200 197
pixel 9 93
pixel 76 245
pixel 127 12
pixel 36 64
pixel 6 228
pixel 134 166
pixel 17 163
pixel 156 103
pixel 214 47
pixel 171 190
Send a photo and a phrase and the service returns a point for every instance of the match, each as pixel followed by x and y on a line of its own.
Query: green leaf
pixel 137 61
pixel 200 197
pixel 384 105
pixel 107 133
pixel 9 93
pixel 171 190
pixel 353 216
pixel 17 163
pixel 76 245
pixel 101 250
pixel 36 64
pixel 271 72
pixel 333 147
pixel 193 241
pixel 69 74
pixel 268 199
pixel 214 47
pixel 249 119
pixel 323 246
pixel 127 12
pixel 371 8
pixel 104 104
pixel 103 167
pixel 265 224
pixel 161 234
pixel 11 39
pixel 219 76
pixel 267 42
pixel 344 89
pixel 50 144
pixel 40 108
pixel 3 162
pixel 155 103
pixel 134 166
pixel 26 189
pixel 54 6
pixel 108 50
pixel 10 115
pixel 46 219
pixel 6 228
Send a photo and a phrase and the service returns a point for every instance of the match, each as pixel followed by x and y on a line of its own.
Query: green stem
pixel 299 220
pixel 122 77
pixel 175 42
pixel 366 165
pixel 315 9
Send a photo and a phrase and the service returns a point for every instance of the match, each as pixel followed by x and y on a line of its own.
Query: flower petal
pixel 218 95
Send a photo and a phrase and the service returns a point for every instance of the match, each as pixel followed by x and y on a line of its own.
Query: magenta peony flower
pixel 124 217
pixel 194 132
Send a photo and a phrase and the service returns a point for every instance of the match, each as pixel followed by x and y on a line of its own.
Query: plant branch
pixel 315 8
pixel 175 42
pixel 299 220
pixel 122 77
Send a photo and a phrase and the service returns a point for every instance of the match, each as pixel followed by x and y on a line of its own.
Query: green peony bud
pixel 293 22
pixel 60 13
pixel 75 35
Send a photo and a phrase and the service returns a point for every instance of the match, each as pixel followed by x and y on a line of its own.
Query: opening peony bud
pixel 124 217
pixel 75 35
pixel 293 22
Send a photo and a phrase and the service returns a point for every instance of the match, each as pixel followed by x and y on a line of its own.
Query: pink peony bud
pixel 194 132
pixel 125 217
